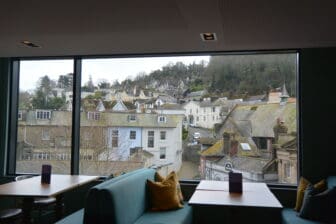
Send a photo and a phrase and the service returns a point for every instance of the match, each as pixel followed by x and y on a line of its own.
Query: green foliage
pixel 56 103
pixel 251 74
pixel 44 98
pixel 184 133
pixel 65 81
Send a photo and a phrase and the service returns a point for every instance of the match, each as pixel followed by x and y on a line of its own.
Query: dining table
pixel 31 188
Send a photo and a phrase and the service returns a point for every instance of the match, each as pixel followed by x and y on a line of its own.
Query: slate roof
pixel 215 150
pixel 171 106
pixel 262 118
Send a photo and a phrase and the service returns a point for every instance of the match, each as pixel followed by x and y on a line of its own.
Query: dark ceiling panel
pixel 86 27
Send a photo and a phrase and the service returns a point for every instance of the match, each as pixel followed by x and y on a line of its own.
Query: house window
pixel 43 114
pixel 93 116
pixel 132 134
pixel 190 111
pixel 204 118
pixel 162 135
pixel 162 119
pixel 162 152
pixel 197 111
pixel 45 134
pixel 132 117
pixel 150 143
pixel 20 115
pixel 197 118
pixel 287 170
pixel 213 109
pixel 115 136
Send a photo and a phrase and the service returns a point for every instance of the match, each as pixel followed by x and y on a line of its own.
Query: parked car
pixel 196 135
pixel 193 125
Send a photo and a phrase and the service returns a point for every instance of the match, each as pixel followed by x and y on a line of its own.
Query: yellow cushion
pixel 163 195
pixel 160 178
pixel 303 184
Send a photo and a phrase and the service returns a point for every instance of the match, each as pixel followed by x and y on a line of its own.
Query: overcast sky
pixel 99 69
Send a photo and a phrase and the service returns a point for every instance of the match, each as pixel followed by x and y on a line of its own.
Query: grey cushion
pixel 319 206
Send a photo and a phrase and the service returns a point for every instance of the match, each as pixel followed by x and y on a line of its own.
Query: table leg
pixel 26 209
pixel 59 206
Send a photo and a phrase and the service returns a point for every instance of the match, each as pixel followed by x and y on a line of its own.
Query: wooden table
pixel 255 196
pixel 30 188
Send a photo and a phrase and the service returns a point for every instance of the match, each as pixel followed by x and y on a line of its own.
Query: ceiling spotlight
pixel 29 44
pixel 208 36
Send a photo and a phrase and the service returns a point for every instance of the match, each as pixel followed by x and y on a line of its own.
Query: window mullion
pixel 76 116
pixel 15 77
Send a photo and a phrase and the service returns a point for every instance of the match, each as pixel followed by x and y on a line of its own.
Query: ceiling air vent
pixel 208 36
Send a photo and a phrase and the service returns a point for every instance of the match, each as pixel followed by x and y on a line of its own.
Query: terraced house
pixel 148 139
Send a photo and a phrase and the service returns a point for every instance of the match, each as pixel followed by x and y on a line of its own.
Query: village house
pixel 108 136
pixel 203 114
pixel 247 144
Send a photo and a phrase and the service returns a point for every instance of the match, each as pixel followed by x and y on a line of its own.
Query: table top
pixel 32 187
pixel 213 185
pixel 217 193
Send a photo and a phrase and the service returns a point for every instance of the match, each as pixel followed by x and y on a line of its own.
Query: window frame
pixel 13 90
pixel 115 138
pixel 150 139
pixel 132 135
pixel 43 114
pixel 163 155
pixel 163 134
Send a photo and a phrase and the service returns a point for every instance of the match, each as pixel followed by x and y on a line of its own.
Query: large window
pixel 103 120
pixel 45 121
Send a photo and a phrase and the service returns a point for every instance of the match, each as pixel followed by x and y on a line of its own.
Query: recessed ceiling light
pixel 208 36
pixel 29 44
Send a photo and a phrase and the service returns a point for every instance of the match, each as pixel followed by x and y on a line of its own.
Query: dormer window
pixel 162 119
pixel 93 116
pixel 43 114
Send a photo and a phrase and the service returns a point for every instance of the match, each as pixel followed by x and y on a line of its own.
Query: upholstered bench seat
pixel 181 216
pixel 289 216
pixel 125 200
pixel 76 217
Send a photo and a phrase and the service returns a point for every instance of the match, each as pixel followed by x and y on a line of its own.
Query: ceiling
pixel 108 27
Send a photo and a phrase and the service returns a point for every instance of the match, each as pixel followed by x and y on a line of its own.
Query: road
pixel 205 133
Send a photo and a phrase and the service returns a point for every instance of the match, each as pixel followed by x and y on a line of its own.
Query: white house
pixel 163 138
pixel 203 114
pixel 159 135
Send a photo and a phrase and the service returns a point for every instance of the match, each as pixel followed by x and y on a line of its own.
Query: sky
pixel 100 69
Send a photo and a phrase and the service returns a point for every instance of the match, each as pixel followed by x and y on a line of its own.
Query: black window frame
pixel 12 110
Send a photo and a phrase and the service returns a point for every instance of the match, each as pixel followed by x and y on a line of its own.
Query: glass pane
pixel 44 116
pixel 210 114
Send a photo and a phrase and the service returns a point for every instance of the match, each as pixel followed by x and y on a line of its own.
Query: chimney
pixel 279 129
pixel 226 143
